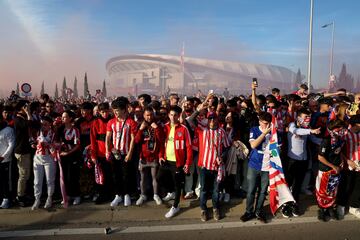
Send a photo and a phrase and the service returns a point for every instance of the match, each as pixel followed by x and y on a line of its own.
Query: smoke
pixel 33 52
pixel 40 44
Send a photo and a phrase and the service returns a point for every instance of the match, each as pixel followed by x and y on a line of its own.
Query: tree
pixel 342 75
pixel 104 89
pixel 298 79
pixel 86 86
pixel 357 89
pixel 75 88
pixel 42 91
pixel 345 80
pixel 56 91
pixel 64 87
pixel 17 89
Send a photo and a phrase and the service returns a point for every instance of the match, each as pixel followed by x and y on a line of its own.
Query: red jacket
pixel 182 145
pixel 97 138
pixel 145 153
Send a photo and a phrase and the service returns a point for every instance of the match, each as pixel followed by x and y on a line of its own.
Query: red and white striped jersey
pixel 211 144
pixel 114 126
pixel 352 147
pixel 44 143
pixel 71 137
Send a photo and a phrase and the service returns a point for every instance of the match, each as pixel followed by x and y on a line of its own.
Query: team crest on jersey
pixel 179 134
pixel 332 184
pixel 338 150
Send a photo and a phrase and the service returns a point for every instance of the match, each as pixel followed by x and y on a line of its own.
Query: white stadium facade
pixel 157 74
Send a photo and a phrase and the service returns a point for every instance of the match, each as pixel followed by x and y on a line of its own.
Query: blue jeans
pixel 256 180
pixel 209 184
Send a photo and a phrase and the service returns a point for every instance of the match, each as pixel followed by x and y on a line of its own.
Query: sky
pixel 47 40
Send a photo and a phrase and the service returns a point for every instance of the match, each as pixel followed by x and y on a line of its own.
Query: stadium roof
pixel 195 68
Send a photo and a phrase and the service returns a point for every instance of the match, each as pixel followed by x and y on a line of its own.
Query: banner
pixel 279 190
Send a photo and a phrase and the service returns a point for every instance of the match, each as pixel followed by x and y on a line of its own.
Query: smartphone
pixel 255 81
pixel 222 100
pixel 185 98
pixel 211 91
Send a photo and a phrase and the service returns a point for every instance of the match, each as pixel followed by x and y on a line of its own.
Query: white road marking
pixel 161 228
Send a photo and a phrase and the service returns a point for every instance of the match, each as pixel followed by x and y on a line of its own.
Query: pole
pixel 332 49
pixel 310 45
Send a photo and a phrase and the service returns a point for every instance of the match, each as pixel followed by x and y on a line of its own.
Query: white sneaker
pixel 172 212
pixel 48 203
pixel 95 197
pixel 77 201
pixel 116 201
pixel 36 204
pixel 189 195
pixel 226 197
pixel 169 196
pixel 5 203
pixel 127 200
pixel 141 200
pixel 355 211
pixel 157 199
pixel 68 199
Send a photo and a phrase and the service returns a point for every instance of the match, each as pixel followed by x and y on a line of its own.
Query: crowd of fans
pixel 131 150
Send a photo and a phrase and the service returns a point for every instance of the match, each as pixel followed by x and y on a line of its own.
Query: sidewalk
pixel 102 215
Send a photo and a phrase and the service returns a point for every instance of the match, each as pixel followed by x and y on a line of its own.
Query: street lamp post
pixel 332 46
pixel 310 46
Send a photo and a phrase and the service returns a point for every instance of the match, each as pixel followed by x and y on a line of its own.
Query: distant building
pixel 156 73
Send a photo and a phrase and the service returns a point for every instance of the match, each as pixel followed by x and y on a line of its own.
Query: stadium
pixel 159 74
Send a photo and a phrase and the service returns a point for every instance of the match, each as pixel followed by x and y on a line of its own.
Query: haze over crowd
pixel 50 40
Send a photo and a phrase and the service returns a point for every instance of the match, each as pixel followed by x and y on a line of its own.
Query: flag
pixel 182 58
pixel 327 184
pixel 279 190
pixel 99 174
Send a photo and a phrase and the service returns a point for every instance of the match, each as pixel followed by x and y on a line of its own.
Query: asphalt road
pixel 87 221
pixel 347 230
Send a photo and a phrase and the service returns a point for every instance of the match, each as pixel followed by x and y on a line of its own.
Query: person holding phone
pixel 256 101
pixel 176 157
